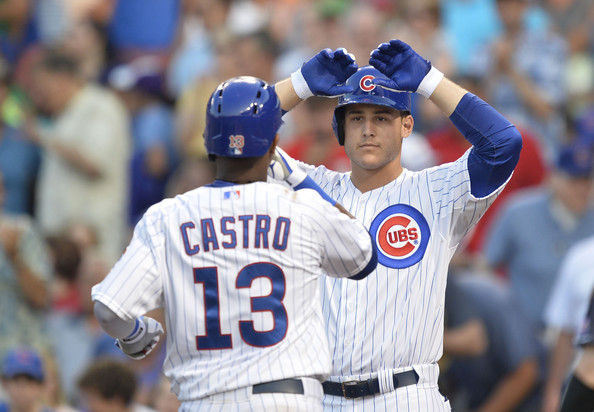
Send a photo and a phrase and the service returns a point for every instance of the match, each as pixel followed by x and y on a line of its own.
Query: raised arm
pixel 497 143
pixel 324 74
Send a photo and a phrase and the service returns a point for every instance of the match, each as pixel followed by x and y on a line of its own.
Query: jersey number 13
pixel 273 303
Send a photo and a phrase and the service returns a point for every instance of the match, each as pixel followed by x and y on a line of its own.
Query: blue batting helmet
pixel 367 92
pixel 242 118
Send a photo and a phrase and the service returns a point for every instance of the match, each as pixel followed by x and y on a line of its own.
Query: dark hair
pixel 110 379
pixel 55 61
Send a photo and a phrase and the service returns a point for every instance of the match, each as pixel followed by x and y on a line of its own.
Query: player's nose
pixel 368 128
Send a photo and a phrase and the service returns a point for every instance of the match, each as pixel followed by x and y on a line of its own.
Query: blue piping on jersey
pixel 370 266
pixel 497 144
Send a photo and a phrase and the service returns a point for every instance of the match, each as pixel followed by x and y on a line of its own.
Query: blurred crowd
pixel 102 108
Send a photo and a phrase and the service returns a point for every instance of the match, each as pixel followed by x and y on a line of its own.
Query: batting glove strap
pixel 300 85
pixel 308 183
pixel 142 340
pixel 430 82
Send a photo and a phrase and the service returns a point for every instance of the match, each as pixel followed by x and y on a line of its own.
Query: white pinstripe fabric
pixel 157 272
pixel 394 317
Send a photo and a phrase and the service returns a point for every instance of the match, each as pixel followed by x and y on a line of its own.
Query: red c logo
pixel 366 83
pixel 398 236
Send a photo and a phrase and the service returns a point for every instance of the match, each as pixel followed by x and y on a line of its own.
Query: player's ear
pixel 407 125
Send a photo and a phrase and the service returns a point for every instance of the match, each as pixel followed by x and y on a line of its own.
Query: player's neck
pixel 370 179
pixel 241 171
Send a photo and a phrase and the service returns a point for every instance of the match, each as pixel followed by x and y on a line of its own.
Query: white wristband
pixel 430 82
pixel 300 85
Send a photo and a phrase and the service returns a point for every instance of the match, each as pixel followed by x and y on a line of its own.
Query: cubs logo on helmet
pixel 366 83
pixel 401 234
pixel 367 92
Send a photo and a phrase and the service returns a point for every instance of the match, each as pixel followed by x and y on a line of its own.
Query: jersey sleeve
pixel 133 287
pixel 453 198
pixel 347 247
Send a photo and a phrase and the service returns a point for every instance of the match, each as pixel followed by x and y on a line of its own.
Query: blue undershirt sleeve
pixel 496 144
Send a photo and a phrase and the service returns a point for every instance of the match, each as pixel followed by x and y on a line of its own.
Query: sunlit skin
pixel 373 142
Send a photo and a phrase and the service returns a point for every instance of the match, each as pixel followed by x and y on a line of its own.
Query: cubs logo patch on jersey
pixel 401 234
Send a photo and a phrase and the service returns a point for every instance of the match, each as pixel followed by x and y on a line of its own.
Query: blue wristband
pixel 308 183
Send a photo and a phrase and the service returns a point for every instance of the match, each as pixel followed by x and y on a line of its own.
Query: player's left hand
pixel 325 74
pixel 405 68
pixel 141 343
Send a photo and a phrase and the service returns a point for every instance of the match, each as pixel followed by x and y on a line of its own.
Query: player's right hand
pixel 325 74
pixel 284 167
pixel 143 340
pixel 405 68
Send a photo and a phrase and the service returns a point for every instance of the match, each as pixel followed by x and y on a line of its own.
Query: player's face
pixel 373 135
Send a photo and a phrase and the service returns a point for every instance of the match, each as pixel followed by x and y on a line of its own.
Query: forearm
pixel 530 94
pixel 286 94
pixel 74 158
pixel 34 289
pixel 513 389
pixel 447 95
pixel 112 324
pixel 559 363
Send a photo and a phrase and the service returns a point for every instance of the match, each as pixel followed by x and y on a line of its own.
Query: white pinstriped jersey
pixel 237 270
pixel 394 317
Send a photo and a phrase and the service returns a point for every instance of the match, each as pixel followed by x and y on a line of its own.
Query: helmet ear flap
pixel 338 124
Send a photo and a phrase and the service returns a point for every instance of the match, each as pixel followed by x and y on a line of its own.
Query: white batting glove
pixel 143 340
pixel 284 167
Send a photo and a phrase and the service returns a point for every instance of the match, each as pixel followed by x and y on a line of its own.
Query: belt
pixel 358 389
pixel 280 386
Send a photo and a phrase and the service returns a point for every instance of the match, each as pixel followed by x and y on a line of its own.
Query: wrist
pixel 136 334
pixel 430 82
pixel 300 85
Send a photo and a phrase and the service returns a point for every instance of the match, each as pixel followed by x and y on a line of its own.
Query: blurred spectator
pixel 108 385
pixel 574 20
pixel 25 276
pixel 189 124
pixel 317 145
pixel 524 75
pixel 84 175
pixel 17 29
pixel 448 144
pixel 55 398
pixel 194 51
pixel 23 378
pixel 86 42
pixel 163 399
pixel 564 314
pixel 535 228
pixel 579 396
pixel 190 174
pixel 19 158
pixel 66 258
pixel 135 30
pixel 154 156
pixel 57 19
pixel 508 376
pixel 77 338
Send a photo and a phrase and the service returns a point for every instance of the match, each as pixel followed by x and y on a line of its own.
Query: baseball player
pixel 579 396
pixel 235 264
pixel 386 332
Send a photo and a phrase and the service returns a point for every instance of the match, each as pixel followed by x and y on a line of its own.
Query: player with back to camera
pixel 386 332
pixel 235 264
